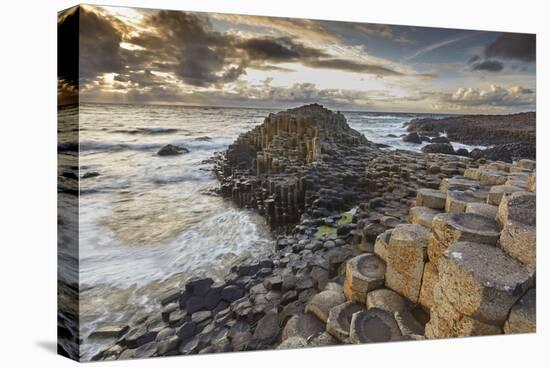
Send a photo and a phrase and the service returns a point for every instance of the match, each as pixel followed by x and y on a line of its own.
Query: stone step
pixel 434 199
pixel 497 192
pixel 363 274
pixel 339 319
pixel 457 201
pixel 422 215
pixel 482 281
pixel 373 326
pixel 407 253
pixel 448 228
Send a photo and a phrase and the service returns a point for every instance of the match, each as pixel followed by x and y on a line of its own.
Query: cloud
pixel 493 96
pixel 473 59
pixel 518 46
pixel 100 50
pixel 435 46
pixel 187 46
pixel 488 65
pixel 351 66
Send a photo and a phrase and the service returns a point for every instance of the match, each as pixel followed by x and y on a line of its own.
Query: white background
pixel 28 180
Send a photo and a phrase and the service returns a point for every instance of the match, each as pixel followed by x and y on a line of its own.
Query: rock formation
pixel 303 160
pixel 437 246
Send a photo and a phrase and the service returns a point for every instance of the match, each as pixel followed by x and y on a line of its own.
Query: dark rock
pixel 186 330
pixel 267 329
pixel 172 150
pixel 231 293
pixel 412 138
pixel 440 140
pixel 90 175
pixel 198 286
pixel 462 152
pixel 439 148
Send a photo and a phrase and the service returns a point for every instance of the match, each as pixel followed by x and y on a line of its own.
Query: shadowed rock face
pixel 303 160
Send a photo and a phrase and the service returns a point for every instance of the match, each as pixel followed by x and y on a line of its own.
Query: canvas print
pixel 231 183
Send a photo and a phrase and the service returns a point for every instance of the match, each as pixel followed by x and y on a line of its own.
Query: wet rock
pixel 168 346
pixel 198 286
pixel 407 253
pixel 170 149
pixel 231 293
pixel 439 148
pixel 481 281
pixel 523 315
pixel 339 319
pixel 105 332
pixel 373 326
pixel 321 304
pixel 139 337
pixel 440 140
pixel 412 138
pixel 363 273
pixel 186 330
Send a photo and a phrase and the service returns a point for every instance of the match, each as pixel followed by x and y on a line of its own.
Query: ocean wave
pixel 148 131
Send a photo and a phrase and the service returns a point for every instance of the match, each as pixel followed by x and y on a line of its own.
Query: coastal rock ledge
pixel 436 246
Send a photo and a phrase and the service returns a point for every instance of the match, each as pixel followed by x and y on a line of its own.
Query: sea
pixel 147 223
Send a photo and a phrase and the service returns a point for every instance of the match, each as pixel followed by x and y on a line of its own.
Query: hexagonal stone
pixel 302 325
pixel 111 331
pixel 373 326
pixel 487 210
pixel 322 340
pixel 481 281
pixel 492 177
pixel 387 300
pixel 472 173
pixel 321 304
pixel 339 319
pixel 452 227
pixel 408 325
pixel 458 200
pixel 446 322
pixel 520 242
pixel 363 273
pixel 422 215
pixel 267 329
pixel 527 164
pixel 519 207
pixel 523 316
pixel 458 183
pixel 429 278
pixel 407 253
pixel 381 244
pixel 497 192
pixel 434 199
pixel 293 343
pixel 532 183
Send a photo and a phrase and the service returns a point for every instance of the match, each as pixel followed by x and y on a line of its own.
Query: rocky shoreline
pixel 513 137
pixel 372 246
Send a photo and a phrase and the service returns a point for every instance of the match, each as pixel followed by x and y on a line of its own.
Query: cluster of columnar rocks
pixel 303 160
pixel 440 246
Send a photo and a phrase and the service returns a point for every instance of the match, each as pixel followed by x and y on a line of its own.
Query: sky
pixel 144 56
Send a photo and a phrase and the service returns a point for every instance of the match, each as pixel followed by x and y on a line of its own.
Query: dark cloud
pixel 187 46
pixel 473 59
pixel 100 50
pixel 350 65
pixel 488 65
pixel 282 49
pixel 67 47
pixel 519 46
